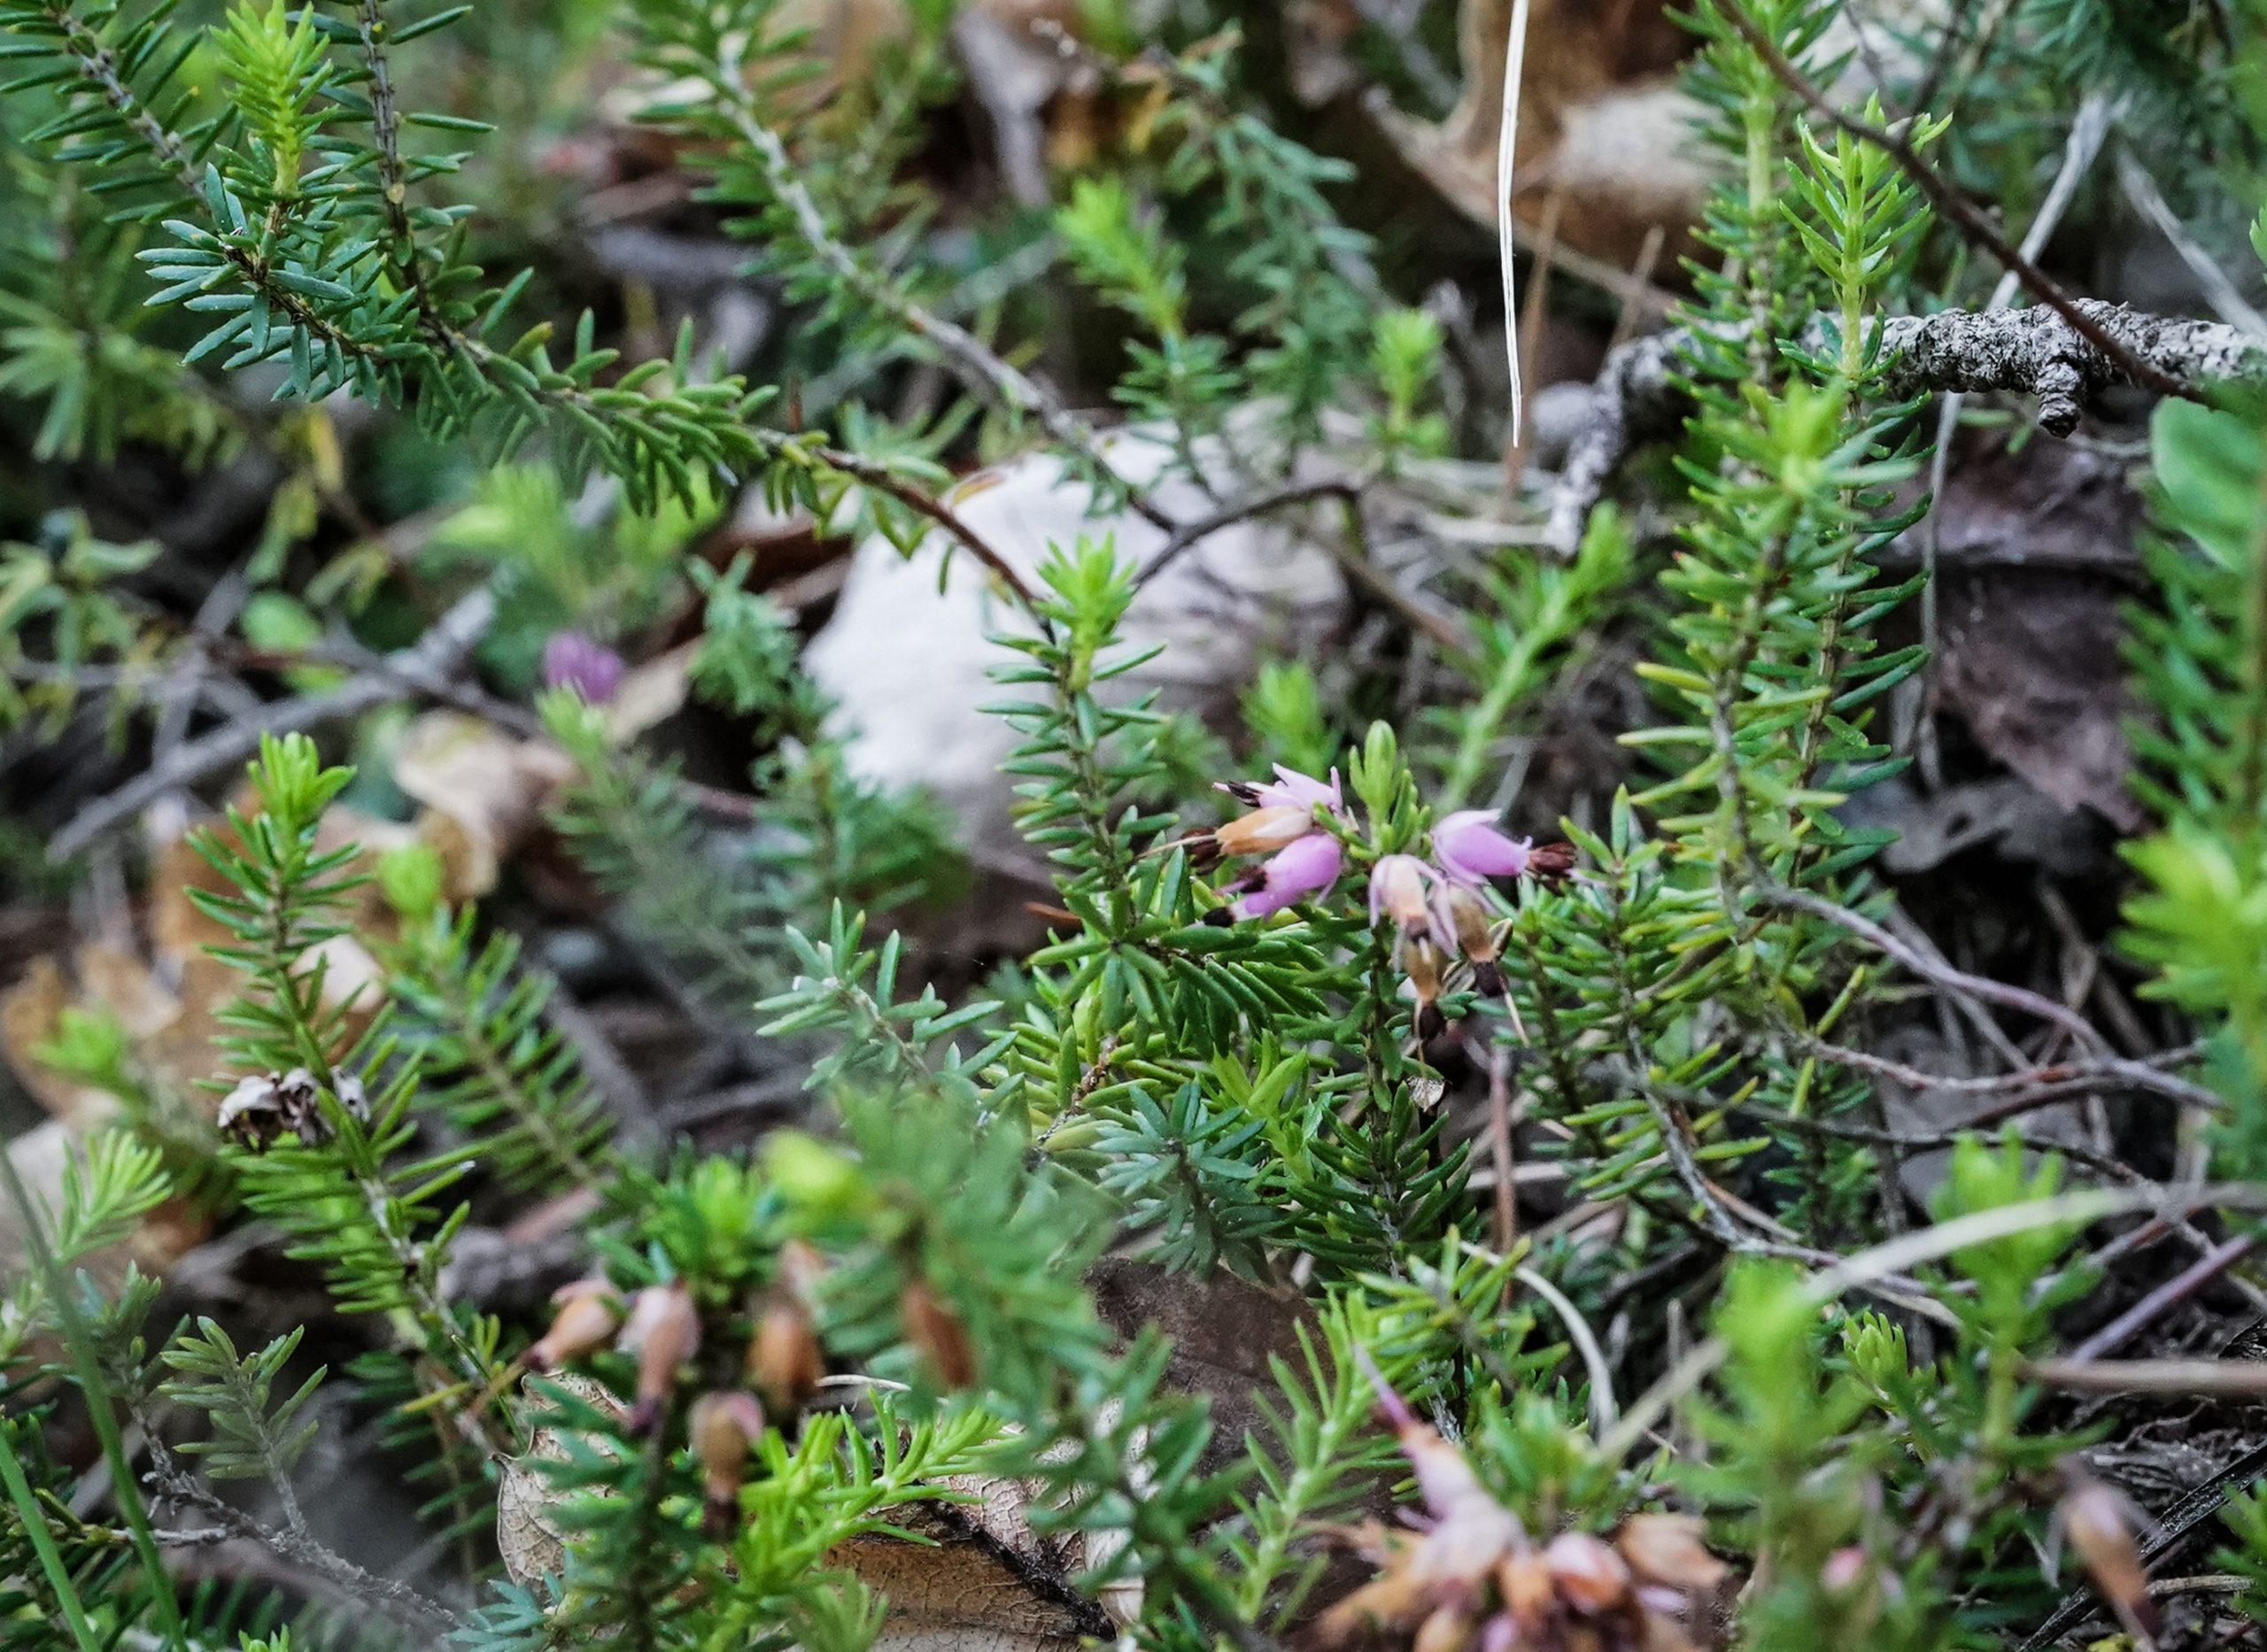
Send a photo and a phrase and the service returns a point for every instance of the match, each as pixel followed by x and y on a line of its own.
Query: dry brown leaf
pixel 40 1157
pixel 532 1543
pixel 1225 1330
pixel 650 694
pixel 29 1012
pixel 979 1580
pixel 983 1582
pixel 1602 124
pixel 483 790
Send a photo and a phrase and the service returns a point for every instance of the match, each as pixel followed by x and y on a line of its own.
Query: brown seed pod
pixel 785 1361
pixel 589 1313
pixel 1666 1549
pixel 723 1428
pixel 663 1331
pixel 2096 1521
pixel 937 1333
pixel 1589 1577
pixel 1448 1627
pixel 1530 1594
pixel 1548 863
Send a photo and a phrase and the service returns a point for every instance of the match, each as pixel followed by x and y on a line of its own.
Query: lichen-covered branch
pixel 1640 394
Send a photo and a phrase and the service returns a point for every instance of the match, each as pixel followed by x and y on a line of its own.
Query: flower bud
pixel 1421 964
pixel 2094 1518
pixel 1549 863
pixel 589 1313
pixel 1666 1549
pixel 663 1331
pixel 1447 1628
pixel 722 1429
pixel 817 1176
pixel 1263 831
pixel 1475 938
pixel 1308 867
pixel 1589 1577
pixel 1529 1592
pixel 1399 886
pixel 937 1332
pixel 785 1361
pixel 571 660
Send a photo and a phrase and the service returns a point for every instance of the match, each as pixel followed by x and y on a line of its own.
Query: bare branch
pixel 1641 394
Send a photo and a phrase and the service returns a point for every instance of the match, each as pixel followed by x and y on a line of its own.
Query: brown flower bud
pixel 1447 1628
pixel 589 1313
pixel 1263 831
pixel 2095 1520
pixel 785 1361
pixel 663 1331
pixel 1666 1549
pixel 1548 863
pixel 1421 962
pixel 801 1267
pixel 1529 1592
pixel 937 1333
pixel 1589 1577
pixel 1475 937
pixel 722 1429
pixel 1401 889
pixel 1476 924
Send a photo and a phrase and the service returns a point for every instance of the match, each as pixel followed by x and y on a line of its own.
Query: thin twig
pixel 2219 291
pixel 2140 1074
pixel 423 667
pixel 1642 393
pixel 2224 1380
pixel 1603 1412
pixel 1894 1256
pixel 2166 1297
pixel 1189 535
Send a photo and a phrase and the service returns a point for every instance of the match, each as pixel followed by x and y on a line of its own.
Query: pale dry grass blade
pixel 1507 145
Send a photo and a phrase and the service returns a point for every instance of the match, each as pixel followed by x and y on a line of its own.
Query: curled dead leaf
pixel 528 1534
pixel 482 790
pixel 1604 125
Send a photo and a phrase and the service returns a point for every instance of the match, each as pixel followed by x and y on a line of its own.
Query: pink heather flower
pixel 1307 866
pixel 1290 790
pixel 571 659
pixel 1304 791
pixel 1471 850
pixel 1263 831
pixel 1400 889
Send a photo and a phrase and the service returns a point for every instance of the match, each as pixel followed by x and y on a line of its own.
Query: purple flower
pixel 1471 850
pixel 1308 867
pixel 1290 790
pixel 571 659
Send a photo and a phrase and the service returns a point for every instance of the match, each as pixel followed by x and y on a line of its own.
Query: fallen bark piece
pixel 2034 351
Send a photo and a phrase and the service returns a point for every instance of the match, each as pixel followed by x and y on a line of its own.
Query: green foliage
pixel 57 597
pixel 254 1438
pixel 1670 1011
pixel 2201 661
pixel 505 1077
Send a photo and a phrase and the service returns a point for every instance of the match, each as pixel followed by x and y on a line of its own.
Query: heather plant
pixel 1554 1146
